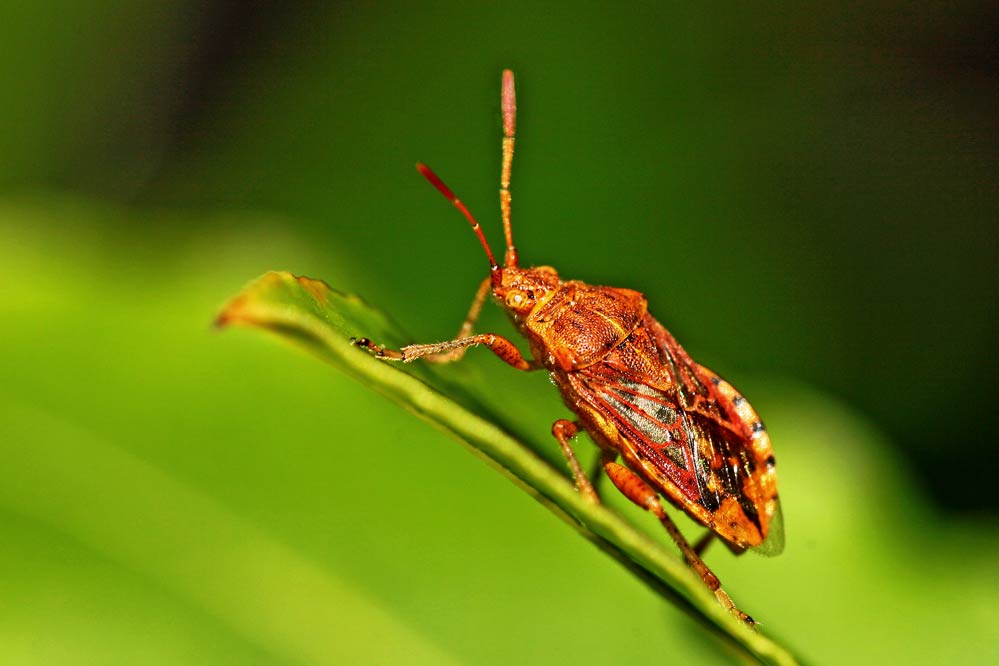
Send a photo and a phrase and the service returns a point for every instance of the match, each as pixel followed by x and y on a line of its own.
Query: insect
pixel 682 432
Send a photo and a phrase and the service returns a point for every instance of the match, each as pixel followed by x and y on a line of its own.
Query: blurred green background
pixel 807 195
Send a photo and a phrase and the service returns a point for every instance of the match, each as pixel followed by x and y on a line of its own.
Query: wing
pixel 689 433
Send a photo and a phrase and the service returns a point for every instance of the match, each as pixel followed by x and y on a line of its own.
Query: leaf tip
pixel 231 313
pixel 221 320
pixel 318 289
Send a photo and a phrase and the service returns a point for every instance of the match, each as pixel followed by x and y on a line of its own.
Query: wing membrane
pixel 691 434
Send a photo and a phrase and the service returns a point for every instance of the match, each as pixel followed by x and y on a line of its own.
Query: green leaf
pixel 311 314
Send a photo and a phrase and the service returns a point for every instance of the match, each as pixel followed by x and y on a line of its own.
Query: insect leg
pixel 466 327
pixel 497 344
pixel 703 543
pixel 564 431
pixel 638 491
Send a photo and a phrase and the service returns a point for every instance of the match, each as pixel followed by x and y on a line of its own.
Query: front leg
pixel 466 327
pixel 564 431
pixel 497 344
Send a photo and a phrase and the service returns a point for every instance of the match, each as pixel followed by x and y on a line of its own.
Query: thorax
pixel 578 324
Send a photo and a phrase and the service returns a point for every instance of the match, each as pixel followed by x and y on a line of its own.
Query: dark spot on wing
pixel 758 427
pixel 675 455
pixel 666 414
pixel 750 510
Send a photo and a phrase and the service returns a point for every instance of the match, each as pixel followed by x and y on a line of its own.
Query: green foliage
pixel 308 312
pixel 802 192
pixel 169 495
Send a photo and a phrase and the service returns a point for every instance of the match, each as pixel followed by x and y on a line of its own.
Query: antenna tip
pixel 509 103
pixel 436 182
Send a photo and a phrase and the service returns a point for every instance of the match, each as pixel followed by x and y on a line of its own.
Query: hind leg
pixel 638 491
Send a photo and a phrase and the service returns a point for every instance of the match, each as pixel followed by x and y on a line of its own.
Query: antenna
pixel 494 269
pixel 508 101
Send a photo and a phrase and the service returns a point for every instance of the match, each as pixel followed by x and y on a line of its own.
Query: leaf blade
pixel 310 313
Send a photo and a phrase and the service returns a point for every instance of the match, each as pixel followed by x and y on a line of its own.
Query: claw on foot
pixel 378 351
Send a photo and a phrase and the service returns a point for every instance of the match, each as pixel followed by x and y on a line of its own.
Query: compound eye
pixel 516 299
